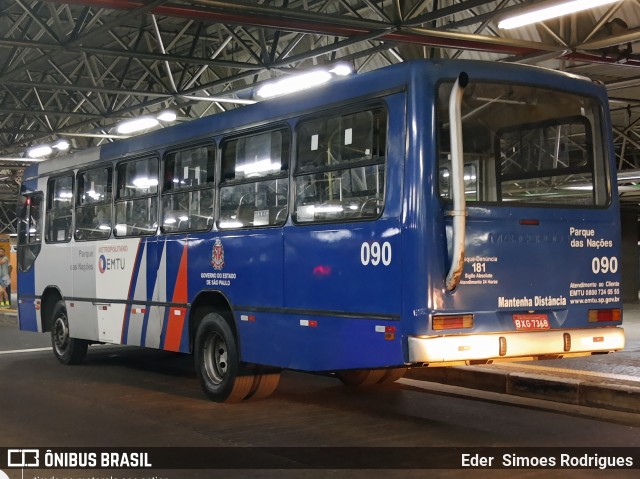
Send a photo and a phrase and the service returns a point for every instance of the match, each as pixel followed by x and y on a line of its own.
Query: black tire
pixel 361 377
pixel 217 361
pixel 66 349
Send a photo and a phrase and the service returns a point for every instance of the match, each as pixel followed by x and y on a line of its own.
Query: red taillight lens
pixel 461 321
pixel 604 315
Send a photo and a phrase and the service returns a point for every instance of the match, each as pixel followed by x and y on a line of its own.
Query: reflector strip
pixel 138 310
pixel 453 322
pixel 246 317
pixel 526 222
pixel 604 315
pixel 502 341
pixel 309 322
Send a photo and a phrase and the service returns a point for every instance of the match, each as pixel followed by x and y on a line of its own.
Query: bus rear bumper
pixel 503 346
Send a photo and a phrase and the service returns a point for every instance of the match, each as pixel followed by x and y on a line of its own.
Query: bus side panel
pixel 116 272
pixel 139 316
pixel 245 266
pixel 318 343
pixel 83 308
pixel 156 286
pixel 344 268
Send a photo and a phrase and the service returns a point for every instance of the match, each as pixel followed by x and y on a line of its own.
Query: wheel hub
pixel 215 360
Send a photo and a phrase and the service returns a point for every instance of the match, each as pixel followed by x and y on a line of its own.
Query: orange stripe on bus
pixel 175 321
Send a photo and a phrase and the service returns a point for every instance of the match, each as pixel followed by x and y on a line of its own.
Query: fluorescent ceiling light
pixel 39 151
pixel 542 13
pixel 137 124
pixel 61 145
pixel 167 116
pixel 294 83
pixel 342 69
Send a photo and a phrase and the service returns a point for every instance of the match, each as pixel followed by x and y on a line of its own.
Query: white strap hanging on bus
pixel 457 182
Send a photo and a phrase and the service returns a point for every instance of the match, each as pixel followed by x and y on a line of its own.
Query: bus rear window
pixel 526 145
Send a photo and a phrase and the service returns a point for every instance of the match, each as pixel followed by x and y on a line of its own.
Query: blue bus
pixel 431 213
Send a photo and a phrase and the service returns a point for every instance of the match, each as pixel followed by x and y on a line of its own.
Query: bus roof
pixel 341 90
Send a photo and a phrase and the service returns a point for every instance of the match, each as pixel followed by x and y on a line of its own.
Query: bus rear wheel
pixel 361 377
pixel 264 385
pixel 392 375
pixel 66 349
pixel 217 361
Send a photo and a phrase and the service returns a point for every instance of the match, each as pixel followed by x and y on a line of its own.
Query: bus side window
pixel 93 207
pixel 58 216
pixel 187 192
pixel 137 201
pixel 341 167
pixel 255 188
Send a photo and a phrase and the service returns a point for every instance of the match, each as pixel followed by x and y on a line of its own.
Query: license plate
pixel 531 322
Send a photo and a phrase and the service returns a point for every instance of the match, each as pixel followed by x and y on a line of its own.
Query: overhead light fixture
pixel 342 69
pixel 137 124
pixel 302 81
pixel 167 116
pixel 39 151
pixel 45 150
pixel 61 145
pixel 547 11
pixel 294 83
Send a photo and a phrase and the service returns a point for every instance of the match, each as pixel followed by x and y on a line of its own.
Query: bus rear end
pixel 537 271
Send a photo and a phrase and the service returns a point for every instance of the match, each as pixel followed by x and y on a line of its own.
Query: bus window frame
pixel 350 109
pixel 49 209
pixel 281 175
pixel 111 202
pixel 164 192
pixel 116 194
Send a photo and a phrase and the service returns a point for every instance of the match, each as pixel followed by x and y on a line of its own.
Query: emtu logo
pixel 108 264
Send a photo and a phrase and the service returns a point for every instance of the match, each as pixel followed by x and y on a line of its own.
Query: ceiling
pixel 73 69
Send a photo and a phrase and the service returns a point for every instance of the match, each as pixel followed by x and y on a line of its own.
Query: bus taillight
pixel 604 315
pixel 461 321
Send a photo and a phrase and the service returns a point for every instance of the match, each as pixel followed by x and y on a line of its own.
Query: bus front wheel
pixel 217 361
pixel 66 349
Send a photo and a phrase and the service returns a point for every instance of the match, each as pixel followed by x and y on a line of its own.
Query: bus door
pixel 29 248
